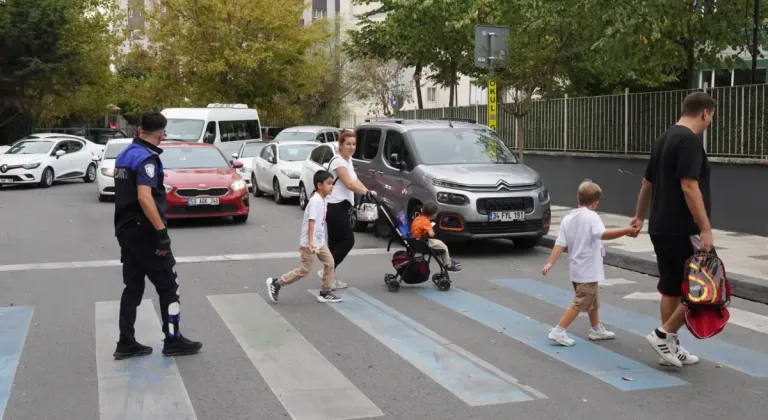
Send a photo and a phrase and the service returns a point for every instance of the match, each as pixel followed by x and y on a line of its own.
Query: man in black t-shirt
pixel 676 188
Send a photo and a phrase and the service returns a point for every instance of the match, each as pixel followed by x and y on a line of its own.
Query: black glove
pixel 163 240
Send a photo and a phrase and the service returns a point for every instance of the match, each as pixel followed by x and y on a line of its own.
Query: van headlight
pixel 238 185
pixel 544 196
pixel 110 172
pixel 454 199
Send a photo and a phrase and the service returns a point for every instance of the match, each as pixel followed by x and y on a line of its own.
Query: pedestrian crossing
pixel 310 386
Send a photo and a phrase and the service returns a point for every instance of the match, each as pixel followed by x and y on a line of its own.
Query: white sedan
pixel 317 160
pixel 247 155
pixel 105 176
pixel 43 161
pixel 278 168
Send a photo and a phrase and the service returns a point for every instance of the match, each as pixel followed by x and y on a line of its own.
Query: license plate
pixel 506 216
pixel 6 181
pixel 203 202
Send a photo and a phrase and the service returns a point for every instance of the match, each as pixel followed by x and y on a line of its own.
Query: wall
pixel 739 191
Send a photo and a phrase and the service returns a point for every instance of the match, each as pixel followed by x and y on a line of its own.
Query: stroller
pixel 412 264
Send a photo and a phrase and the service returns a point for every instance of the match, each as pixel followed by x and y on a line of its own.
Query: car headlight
pixel 168 188
pixel 238 185
pixel 244 169
pixel 290 174
pixel 31 165
pixel 110 172
pixel 544 196
pixel 454 199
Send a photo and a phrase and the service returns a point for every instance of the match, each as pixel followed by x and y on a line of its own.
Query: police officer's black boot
pixel 180 346
pixel 126 349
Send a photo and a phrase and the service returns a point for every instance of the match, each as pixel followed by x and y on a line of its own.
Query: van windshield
pixel 460 146
pixel 184 130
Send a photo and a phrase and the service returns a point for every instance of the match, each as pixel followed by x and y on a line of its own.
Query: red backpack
pixel 706 293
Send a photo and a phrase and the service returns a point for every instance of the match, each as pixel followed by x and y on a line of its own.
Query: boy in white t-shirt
pixel 582 232
pixel 312 242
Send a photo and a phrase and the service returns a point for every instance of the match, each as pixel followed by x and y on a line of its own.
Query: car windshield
pixel 295 152
pixel 285 136
pixel 30 148
pixel 193 158
pixel 252 150
pixel 114 149
pixel 451 146
pixel 183 130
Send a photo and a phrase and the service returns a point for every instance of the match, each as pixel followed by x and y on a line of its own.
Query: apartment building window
pixel 432 94
pixel 319 14
pixel 130 12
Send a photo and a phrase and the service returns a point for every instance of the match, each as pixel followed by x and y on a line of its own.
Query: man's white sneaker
pixel 336 283
pixel 665 347
pixel 684 356
pixel 560 338
pixel 602 334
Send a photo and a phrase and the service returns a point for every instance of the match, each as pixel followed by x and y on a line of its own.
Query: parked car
pixel 318 159
pixel 278 169
pixel 201 182
pixel 43 161
pixel 96 149
pixel 246 155
pixel 316 133
pixel 105 175
pixel 482 189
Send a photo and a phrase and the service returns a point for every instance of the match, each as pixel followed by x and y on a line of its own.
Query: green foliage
pixel 375 81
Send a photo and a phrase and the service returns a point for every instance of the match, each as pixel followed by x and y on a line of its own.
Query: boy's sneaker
pixel 273 288
pixel 684 356
pixel 328 297
pixel 336 283
pixel 455 263
pixel 127 350
pixel 665 346
pixel 181 346
pixel 560 338
pixel 601 334
pixel 453 268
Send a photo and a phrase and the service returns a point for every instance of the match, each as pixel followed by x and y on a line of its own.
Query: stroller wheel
pixel 443 285
pixel 393 285
pixel 389 277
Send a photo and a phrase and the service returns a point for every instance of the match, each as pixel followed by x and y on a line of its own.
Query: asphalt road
pixel 477 351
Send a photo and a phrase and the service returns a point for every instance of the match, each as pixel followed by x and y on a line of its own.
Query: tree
pixel 377 81
pixel 244 51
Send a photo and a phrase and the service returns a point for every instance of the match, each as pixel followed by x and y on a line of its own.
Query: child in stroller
pixel 412 264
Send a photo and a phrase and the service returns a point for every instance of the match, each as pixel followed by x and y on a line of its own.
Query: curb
pixel 744 287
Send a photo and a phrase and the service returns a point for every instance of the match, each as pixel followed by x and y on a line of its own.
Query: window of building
pixel 432 94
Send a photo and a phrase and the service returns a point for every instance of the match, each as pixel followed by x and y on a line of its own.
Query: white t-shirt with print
pixel 340 191
pixel 581 232
pixel 315 210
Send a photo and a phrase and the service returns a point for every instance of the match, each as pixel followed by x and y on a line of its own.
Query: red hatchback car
pixel 201 182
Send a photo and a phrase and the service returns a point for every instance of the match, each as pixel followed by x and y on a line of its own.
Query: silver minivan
pixel 482 189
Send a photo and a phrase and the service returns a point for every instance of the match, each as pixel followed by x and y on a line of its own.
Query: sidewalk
pixel 745 256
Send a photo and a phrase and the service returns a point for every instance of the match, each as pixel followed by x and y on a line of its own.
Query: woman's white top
pixel 340 191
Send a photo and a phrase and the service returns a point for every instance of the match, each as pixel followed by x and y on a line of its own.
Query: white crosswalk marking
pixel 615 282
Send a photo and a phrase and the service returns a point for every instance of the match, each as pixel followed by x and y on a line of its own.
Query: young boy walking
pixel 312 243
pixel 582 232
pixel 421 228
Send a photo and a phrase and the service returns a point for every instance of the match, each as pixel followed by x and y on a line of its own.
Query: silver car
pixel 482 189
pixel 316 133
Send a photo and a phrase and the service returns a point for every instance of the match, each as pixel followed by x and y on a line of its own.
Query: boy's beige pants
pixel 441 249
pixel 325 257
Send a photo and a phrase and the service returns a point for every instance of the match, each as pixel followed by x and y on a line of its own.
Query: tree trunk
pixel 417 79
pixel 691 64
pixel 520 134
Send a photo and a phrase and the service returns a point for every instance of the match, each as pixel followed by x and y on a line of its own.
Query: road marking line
pixel 615 282
pixel 738 317
pixel 180 260
pixel 146 387
pixel 587 357
pixel 469 378
pixel 306 383
pixel 738 358
pixel 14 325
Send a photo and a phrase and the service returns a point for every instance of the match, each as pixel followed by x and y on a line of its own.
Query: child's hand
pixel 546 268
pixel 312 249
pixel 631 232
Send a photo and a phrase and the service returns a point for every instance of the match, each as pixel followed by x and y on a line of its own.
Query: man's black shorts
pixel 672 252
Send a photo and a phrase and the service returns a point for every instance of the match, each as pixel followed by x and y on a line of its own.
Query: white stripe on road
pixel 738 317
pixel 615 282
pixel 146 387
pixel 306 383
pixel 180 260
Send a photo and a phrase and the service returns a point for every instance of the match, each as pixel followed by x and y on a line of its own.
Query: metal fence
pixel 626 123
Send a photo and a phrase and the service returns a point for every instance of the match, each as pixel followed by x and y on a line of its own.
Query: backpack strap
pixel 335 176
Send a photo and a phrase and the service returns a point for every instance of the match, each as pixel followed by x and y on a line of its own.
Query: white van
pixel 226 126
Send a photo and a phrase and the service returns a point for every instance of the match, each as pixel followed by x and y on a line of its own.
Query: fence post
pixel 626 120
pixel 706 87
pixel 565 124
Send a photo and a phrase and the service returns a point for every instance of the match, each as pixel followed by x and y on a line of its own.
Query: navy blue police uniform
pixel 140 164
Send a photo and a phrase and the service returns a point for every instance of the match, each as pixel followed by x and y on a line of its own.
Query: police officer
pixel 145 248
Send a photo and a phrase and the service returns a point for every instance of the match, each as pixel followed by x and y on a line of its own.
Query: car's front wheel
pixel 90 174
pixel 255 186
pixel 279 199
pixel 302 196
pixel 47 179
